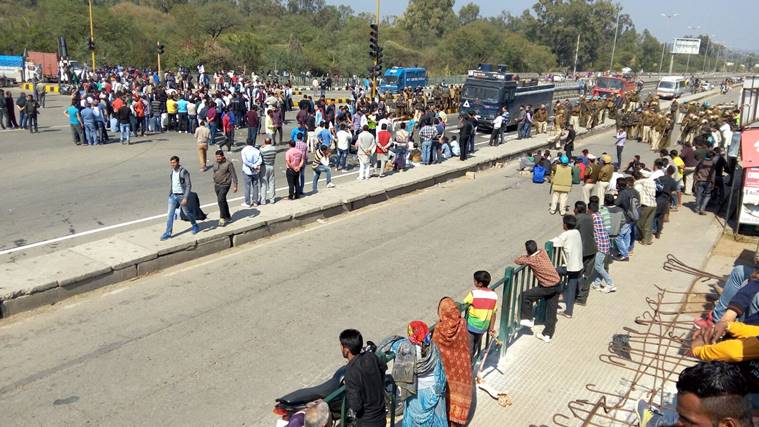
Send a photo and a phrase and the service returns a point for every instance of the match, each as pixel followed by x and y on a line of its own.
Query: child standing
pixel 480 315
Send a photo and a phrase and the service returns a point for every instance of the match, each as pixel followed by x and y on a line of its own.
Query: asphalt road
pixel 55 194
pixel 216 341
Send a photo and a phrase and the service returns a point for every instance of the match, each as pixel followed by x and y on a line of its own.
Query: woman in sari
pixel 452 340
pixel 418 371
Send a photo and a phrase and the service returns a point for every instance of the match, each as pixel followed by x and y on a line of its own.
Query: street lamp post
pixel 706 53
pixel 92 37
pixel 669 17
pixel 687 62
pixel 614 47
pixel 661 60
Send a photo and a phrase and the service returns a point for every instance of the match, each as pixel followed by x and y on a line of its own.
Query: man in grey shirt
pixel 178 196
pixel 268 156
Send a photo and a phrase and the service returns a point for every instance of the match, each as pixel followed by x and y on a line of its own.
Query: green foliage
pixel 299 35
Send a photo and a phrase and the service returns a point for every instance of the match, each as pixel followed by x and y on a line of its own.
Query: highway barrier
pixel 49 88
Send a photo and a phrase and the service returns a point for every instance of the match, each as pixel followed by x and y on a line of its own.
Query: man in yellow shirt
pixel 680 165
pixel 171 110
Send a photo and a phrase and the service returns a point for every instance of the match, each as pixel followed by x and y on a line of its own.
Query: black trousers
pixel 464 146
pixel 588 266
pixel 551 296
pixel 221 199
pixel 292 183
pixel 475 342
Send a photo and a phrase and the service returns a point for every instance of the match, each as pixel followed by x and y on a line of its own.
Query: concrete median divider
pixel 34 282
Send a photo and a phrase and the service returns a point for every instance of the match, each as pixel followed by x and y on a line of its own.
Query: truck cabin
pixel 612 86
pixel 486 91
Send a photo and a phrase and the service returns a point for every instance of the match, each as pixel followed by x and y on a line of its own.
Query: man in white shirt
pixel 727 134
pixel 343 146
pixel 251 167
pixel 571 241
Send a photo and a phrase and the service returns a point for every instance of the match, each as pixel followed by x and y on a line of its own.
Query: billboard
pixel 686 46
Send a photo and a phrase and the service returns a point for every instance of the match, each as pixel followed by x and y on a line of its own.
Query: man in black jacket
pixel 364 381
pixel 465 131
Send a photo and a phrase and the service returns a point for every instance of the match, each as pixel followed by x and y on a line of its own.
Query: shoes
pixel 245 205
pixel 609 289
pixel 596 286
pixel 222 222
pixel 165 236
pixel 330 185
pixel 271 202
pixel 544 338
pixel 564 314
pixel 701 213
pixel 527 323
pixel 195 229
pixel 552 212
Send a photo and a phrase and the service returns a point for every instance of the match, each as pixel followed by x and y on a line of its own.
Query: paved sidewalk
pixel 542 379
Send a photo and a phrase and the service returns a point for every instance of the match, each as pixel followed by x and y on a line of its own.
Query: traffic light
pixel 373 38
pixel 90 44
pixel 161 48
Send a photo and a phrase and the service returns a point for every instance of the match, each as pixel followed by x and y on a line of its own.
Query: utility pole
pixel 159 51
pixel 706 53
pixel 672 59
pixel 687 64
pixel 614 47
pixel 661 60
pixel 91 43
pixel 577 51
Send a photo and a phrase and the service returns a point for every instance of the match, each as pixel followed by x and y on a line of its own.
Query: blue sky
pixel 729 21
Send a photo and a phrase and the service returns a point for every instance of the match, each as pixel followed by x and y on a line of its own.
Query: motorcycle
pixel 332 392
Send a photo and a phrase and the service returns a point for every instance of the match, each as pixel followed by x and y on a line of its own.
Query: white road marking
pixel 150 218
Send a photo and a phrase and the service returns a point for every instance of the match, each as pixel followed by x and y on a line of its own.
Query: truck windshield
pixel 606 83
pixel 489 94
pixel 390 80
pixel 666 85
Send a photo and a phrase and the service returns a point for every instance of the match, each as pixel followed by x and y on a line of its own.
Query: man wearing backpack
pixel 629 201
pixel 561 185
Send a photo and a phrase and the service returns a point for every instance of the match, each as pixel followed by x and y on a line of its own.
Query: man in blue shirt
pixel 325 136
pixel 294 133
pixel 90 124
pixel 76 124
pixel 182 111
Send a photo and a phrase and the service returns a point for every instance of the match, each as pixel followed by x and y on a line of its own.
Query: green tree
pixel 428 19
pixel 468 13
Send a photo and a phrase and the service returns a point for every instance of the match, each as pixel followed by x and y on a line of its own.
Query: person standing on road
pixel 590 177
pixel 182 114
pixel 343 146
pixel 365 146
pixel 585 227
pixel 605 172
pixel 452 340
pixel 31 109
pixel 20 103
pixel 569 142
pixel 466 131
pixel 202 136
pixel 75 123
pixel 10 109
pixel 571 241
pixel 4 117
pixel 90 125
pixel 124 115
pixel 268 157
pixel 603 248
pixel 621 139
pixel 482 302
pixel 703 182
pixel 251 168
pixel 224 177
pixel 561 185
pixel 179 191
pixel 294 160
pixel 364 379
pixel 301 145
pixel 646 188
pixel 253 122
pixel 629 201
pixel 548 289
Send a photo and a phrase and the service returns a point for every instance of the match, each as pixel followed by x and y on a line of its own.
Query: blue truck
pixel 397 79
pixel 487 89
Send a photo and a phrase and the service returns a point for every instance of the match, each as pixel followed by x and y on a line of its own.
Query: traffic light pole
pixel 376 59
pixel 92 36
pixel 158 51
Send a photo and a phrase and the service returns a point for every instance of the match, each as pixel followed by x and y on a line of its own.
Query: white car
pixel 707 86
pixel 559 78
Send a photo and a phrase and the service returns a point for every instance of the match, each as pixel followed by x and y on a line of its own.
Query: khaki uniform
pixel 541 117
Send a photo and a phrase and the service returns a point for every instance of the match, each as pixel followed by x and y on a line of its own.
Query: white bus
pixel 670 87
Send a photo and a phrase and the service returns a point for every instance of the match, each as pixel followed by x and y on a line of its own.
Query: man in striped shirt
pixel 603 246
pixel 480 314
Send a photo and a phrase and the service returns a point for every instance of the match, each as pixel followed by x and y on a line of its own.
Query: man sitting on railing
pixel 548 280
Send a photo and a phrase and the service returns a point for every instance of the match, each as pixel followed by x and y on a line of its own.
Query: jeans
pixel 292 183
pixel 31 123
pixel 175 201
pixel 551 296
pixel 250 188
pixel 317 173
pixel 213 128
pixel 623 240
pixel 192 122
pixel 252 135
pixel 183 122
pixel 267 183
pixel 342 158
pixel 570 288
pixel 22 116
pixel 619 154
pixel 172 124
pixel 124 128
pixel 77 134
pixel 221 200
pixel 301 181
pixel 735 281
pixel 103 132
pixel 426 152
pixel 703 194
pixel 600 269
pixel 91 132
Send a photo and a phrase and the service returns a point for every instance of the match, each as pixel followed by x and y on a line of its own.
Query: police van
pixel 670 87
pixel 397 79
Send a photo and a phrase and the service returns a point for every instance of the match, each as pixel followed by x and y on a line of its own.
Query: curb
pixel 34 282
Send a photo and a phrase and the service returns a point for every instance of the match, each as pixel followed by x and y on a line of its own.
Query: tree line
pixel 300 35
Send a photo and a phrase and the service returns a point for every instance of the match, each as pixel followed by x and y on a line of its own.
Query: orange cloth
pixel 452 339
